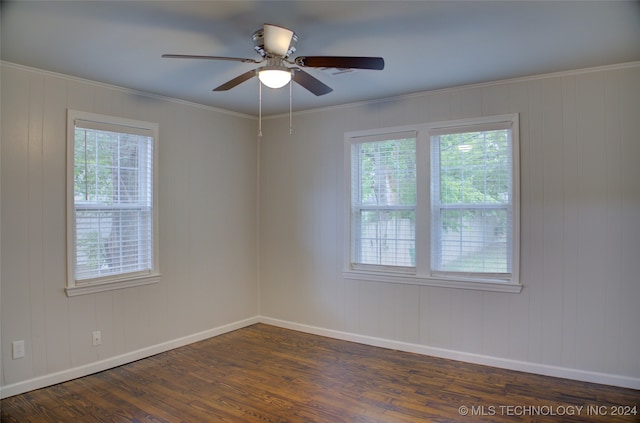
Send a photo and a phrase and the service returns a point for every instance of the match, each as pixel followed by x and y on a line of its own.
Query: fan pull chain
pixel 259 109
pixel 290 108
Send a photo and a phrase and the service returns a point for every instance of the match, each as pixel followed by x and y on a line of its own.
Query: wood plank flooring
pixel 267 374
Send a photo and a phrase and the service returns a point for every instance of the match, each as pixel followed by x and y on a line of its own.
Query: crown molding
pixel 124 89
pixel 530 78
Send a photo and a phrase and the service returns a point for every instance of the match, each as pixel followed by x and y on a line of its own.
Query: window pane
pixel 110 242
pixel 471 202
pixel 383 202
pixel 473 240
pixel 384 173
pixel 113 205
pixel 475 168
pixel 386 238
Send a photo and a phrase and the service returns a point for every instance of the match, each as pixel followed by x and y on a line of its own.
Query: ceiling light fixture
pixel 274 77
pixel 275 74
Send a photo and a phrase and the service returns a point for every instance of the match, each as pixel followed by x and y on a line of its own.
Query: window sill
pixel 111 285
pixel 478 285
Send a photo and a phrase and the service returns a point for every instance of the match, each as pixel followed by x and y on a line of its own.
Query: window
pixel 111 195
pixel 471 200
pixel 383 196
pixel 436 204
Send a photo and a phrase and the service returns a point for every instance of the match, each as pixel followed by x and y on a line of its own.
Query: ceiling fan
pixel 275 44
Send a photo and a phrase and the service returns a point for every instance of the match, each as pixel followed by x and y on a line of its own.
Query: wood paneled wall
pixel 207 205
pixel 580 226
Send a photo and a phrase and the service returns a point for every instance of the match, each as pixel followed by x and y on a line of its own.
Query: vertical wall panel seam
pixel 562 234
pixel 42 219
pixel 621 154
pixel 29 344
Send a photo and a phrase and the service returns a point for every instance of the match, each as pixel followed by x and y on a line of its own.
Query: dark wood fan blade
pixel 309 82
pixel 236 81
pixel 191 56
pixel 339 62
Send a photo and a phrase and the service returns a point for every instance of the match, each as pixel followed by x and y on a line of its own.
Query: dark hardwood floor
pixel 267 374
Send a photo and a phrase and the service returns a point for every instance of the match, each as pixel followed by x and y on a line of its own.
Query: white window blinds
pixel 383 200
pixel 112 200
pixel 472 200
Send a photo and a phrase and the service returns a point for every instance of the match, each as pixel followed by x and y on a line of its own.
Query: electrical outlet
pixel 97 338
pixel 18 349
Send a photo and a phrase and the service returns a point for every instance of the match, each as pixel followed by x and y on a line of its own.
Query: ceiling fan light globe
pixel 274 78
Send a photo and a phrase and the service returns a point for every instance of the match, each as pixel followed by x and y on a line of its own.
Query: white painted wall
pixel 580 227
pixel 208 233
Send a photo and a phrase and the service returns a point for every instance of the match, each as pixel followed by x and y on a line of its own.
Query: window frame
pixel 422 273
pixel 120 280
pixel 395 136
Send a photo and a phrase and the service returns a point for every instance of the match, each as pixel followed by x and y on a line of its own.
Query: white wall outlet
pixel 18 349
pixel 97 338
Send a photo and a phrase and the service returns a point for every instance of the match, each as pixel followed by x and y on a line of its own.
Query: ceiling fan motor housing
pixel 258 44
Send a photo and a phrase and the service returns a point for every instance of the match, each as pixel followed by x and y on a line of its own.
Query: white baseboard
pixel 98 366
pixel 536 368
pixel 503 363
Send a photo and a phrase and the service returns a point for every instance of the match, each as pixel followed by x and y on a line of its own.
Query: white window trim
pixel 421 274
pixel 118 281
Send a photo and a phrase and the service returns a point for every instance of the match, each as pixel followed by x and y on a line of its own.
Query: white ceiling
pixel 426 44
